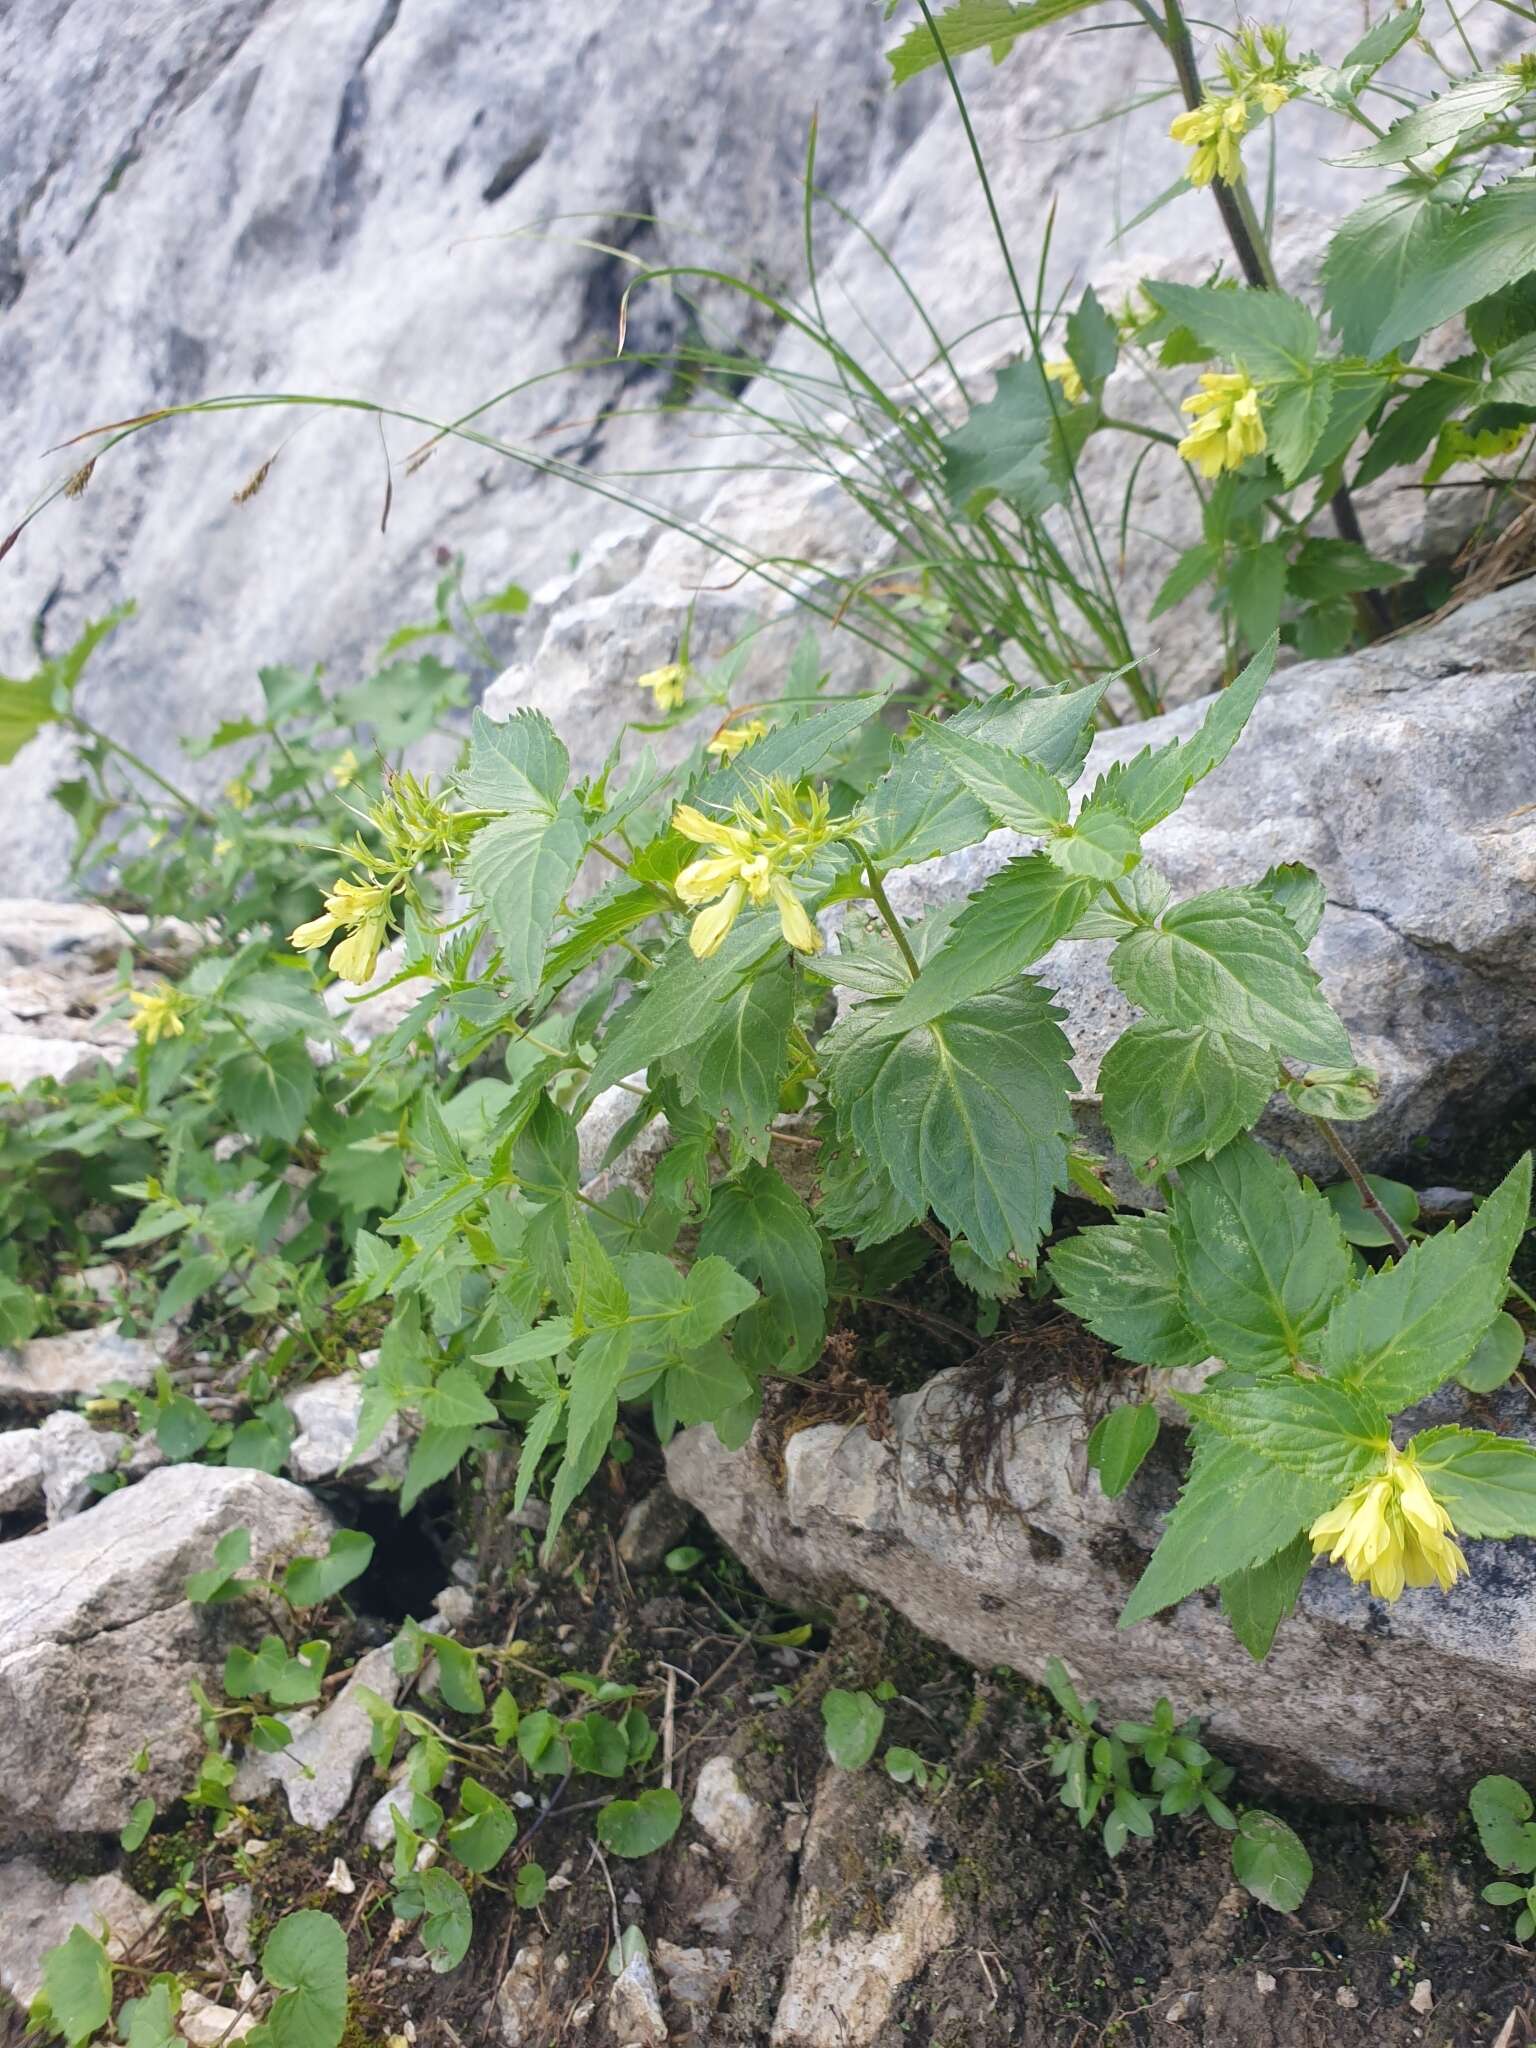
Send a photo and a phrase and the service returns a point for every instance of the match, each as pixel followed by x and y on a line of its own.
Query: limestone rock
pixel 327 1412
pixel 203 2024
pixel 695 1976
pixel 73 1455
pixel 1403 775
pixel 237 1905
pixel 726 1811
pixel 1020 1558
pixel 319 1767
pixel 654 1525
pixel 47 1371
pixel 83 937
pixel 21 1471
pixel 843 1983
pixel 37 1911
pixel 98 1641
pixel 634 2005
pixel 520 2006
pixel 25 1058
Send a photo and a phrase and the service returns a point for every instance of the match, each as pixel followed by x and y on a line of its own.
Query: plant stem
pixel 882 903
pixel 1369 1199
pixel 1254 260
pixel 102 739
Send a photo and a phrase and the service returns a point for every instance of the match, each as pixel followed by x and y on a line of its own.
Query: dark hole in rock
pixel 1044 1548
pixel 407 1570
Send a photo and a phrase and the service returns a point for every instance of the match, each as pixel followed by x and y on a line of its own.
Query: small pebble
pixel 1347 1998
pixel 1423 1996
pixel 1264 1984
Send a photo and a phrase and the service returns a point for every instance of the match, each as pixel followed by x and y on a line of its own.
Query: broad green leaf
pixel 1374 255
pixel 531 1884
pixel 25 708
pixel 1236 1510
pixel 1172 1095
pixel 966 25
pixel 596 926
pixel 439 1901
pixel 1020 445
pixel 1430 130
pixel 140 1821
pixel 705 1385
pixel 1014 790
pixel 267 1094
pixel 1120 1442
pixel 600 1297
pixel 637 1827
pixel 1121 1280
pixel 188 1284
pixel 1502 1809
pixel 435 1453
pixel 520 865
pixel 1101 844
pixel 1357 1222
pixel 736 1068
pixel 456 1400
pixel 458 1674
pixel 853 1723
pixel 680 999
pixel 919 809
pixel 1486 1483
pixel 1297 891
pixel 484 1831
pixel 1256 1600
pixel 714 1293
pixel 1512 375
pixel 1406 1329
pixel 1229 961
pixel 1496 1358
pixel 1334 568
pixel 1408 431
pixel 598 1746
pixel 148 2022
pixel 305 1956
pixel 763 1228
pixel 77 1983
pixel 1468 253
pixel 791 750
pixel 1343 1094
pixel 1270 1861
pixel 1153 785
pixel 1017 915
pixel 1261 1258
pixel 218 1584
pixel 547 1340
pixel 1256 590
pixel 1271 336
pixel 1381 43
pixel 1296 417
pixel 968 1115
pixel 1093 340
pixel 309 1580
pixel 1314 1427
pixel 1194 567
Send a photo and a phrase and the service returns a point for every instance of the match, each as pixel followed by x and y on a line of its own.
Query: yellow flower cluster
pixel 730 740
pixel 1213 132
pixel 1063 371
pixel 1392 1532
pixel 1228 424
pixel 158 1013
pixel 239 793
pixel 669 685
pixel 344 769
pixel 361 909
pixel 752 857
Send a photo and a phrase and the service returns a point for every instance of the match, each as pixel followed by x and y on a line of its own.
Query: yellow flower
pixel 669 685
pixel 1272 95
pixel 1391 1532
pixel 1063 371
pixel 1213 133
pixel 239 793
pixel 362 909
pixel 158 1013
pixel 344 769
pixel 221 847
pixel 751 860
pixel 1228 425
pixel 730 740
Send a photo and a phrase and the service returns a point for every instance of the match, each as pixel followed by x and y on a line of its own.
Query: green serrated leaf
pixel 1020 445
pixel 1270 1860
pixel 966 25
pixel 737 1067
pixel 1151 787
pixel 1314 1427
pixel 1467 253
pixel 1256 1600
pixel 1486 1483
pixel 1406 1329
pixel 762 1227
pixel 1271 336
pixel 1120 1442
pixel 1229 961
pixel 1433 128
pixel 1261 1259
pixel 1121 1280
pixel 1496 1358
pixel 1014 790
pixel 1172 1095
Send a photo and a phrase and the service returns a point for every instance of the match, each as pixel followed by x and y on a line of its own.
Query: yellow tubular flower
pixel 344 769
pixel 1391 1532
pixel 157 1013
pixel 358 954
pixel 1213 133
pixel 710 926
pixel 362 909
pixel 1063 371
pixel 751 861
pixel 1228 424
pixel 1272 95
pixel 669 685
pixel 239 793
pixel 731 740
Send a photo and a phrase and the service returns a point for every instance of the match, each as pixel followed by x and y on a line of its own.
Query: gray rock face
pixel 98 1642
pixel 21 1471
pixel 980 1522
pixel 327 1413
pixel 1404 776
pixel 73 1454
pixel 47 1371
pixel 37 1912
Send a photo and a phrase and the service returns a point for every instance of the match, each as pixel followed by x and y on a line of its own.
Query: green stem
pixel 882 903
pixel 102 739
pixel 1369 1199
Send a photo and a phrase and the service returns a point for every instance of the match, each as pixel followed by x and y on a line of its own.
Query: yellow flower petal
pixel 702 879
pixel 306 937
pixel 794 919
pixel 358 954
pixel 711 926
